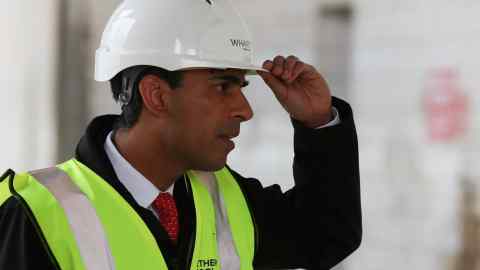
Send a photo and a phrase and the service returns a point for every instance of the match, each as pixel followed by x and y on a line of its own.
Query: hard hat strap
pixel 130 78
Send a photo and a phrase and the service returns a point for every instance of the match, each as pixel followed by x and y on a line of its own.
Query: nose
pixel 241 108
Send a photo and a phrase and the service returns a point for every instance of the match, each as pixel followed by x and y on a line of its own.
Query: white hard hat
pixel 174 35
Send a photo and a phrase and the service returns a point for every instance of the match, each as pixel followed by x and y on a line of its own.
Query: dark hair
pixel 133 106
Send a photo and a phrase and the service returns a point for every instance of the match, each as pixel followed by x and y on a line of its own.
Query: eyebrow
pixel 230 78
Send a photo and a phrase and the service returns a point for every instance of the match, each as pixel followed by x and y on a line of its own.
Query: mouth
pixel 231 135
pixel 228 142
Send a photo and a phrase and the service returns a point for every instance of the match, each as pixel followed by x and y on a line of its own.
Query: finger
pixel 268 65
pixel 278 60
pixel 278 65
pixel 289 66
pixel 298 69
pixel 276 85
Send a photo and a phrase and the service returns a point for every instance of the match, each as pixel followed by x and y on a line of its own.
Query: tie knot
pixel 164 200
pixel 166 209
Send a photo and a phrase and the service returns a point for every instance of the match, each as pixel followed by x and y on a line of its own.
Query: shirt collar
pixel 142 190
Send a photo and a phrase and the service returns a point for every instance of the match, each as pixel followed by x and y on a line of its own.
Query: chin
pixel 215 167
pixel 212 165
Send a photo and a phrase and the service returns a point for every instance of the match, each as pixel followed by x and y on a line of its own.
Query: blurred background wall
pixel 28 67
pixel 408 68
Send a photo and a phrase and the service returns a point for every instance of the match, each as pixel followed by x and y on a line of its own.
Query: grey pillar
pixel 72 80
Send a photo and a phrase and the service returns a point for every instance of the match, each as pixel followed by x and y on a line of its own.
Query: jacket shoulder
pixel 20 245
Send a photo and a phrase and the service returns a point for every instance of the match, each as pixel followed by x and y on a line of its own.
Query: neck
pixel 148 156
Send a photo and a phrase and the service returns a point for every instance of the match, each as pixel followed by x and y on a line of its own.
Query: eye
pixel 224 87
pixel 228 86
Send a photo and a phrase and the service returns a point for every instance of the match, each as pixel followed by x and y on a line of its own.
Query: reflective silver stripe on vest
pixel 83 220
pixel 227 253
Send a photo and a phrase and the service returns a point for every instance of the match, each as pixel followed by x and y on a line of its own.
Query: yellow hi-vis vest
pixel 87 225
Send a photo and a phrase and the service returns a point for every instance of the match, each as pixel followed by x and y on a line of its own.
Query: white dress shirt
pixel 335 121
pixel 142 190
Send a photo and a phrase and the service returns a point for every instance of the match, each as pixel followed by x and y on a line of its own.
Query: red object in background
pixel 446 106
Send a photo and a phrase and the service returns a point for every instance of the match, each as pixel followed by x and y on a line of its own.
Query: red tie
pixel 166 209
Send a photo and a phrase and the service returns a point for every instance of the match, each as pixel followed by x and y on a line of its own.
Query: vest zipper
pixel 255 226
pixel 34 222
pixel 250 208
pixel 191 241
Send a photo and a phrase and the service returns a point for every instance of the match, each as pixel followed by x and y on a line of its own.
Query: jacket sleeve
pixel 20 246
pixel 317 223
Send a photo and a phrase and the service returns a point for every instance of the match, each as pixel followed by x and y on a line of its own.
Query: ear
pixel 155 93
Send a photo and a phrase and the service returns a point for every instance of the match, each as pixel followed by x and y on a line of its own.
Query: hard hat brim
pixel 108 63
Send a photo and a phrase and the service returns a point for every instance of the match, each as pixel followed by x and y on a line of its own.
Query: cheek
pixel 198 119
pixel 195 127
pixel 205 112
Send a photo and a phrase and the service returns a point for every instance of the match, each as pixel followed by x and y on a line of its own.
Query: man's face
pixel 205 115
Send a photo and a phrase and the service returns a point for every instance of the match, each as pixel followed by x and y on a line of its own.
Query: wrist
pixel 321 120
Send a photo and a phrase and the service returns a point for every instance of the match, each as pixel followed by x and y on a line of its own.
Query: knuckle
pixel 291 62
pixel 292 58
pixel 300 65
pixel 277 70
pixel 279 59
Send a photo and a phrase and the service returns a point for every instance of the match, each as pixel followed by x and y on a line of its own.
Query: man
pixel 150 189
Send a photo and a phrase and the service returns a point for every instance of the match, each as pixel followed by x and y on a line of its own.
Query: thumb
pixel 276 85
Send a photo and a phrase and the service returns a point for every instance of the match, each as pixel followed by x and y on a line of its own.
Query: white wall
pixel 100 97
pixel 27 75
pixel 411 186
